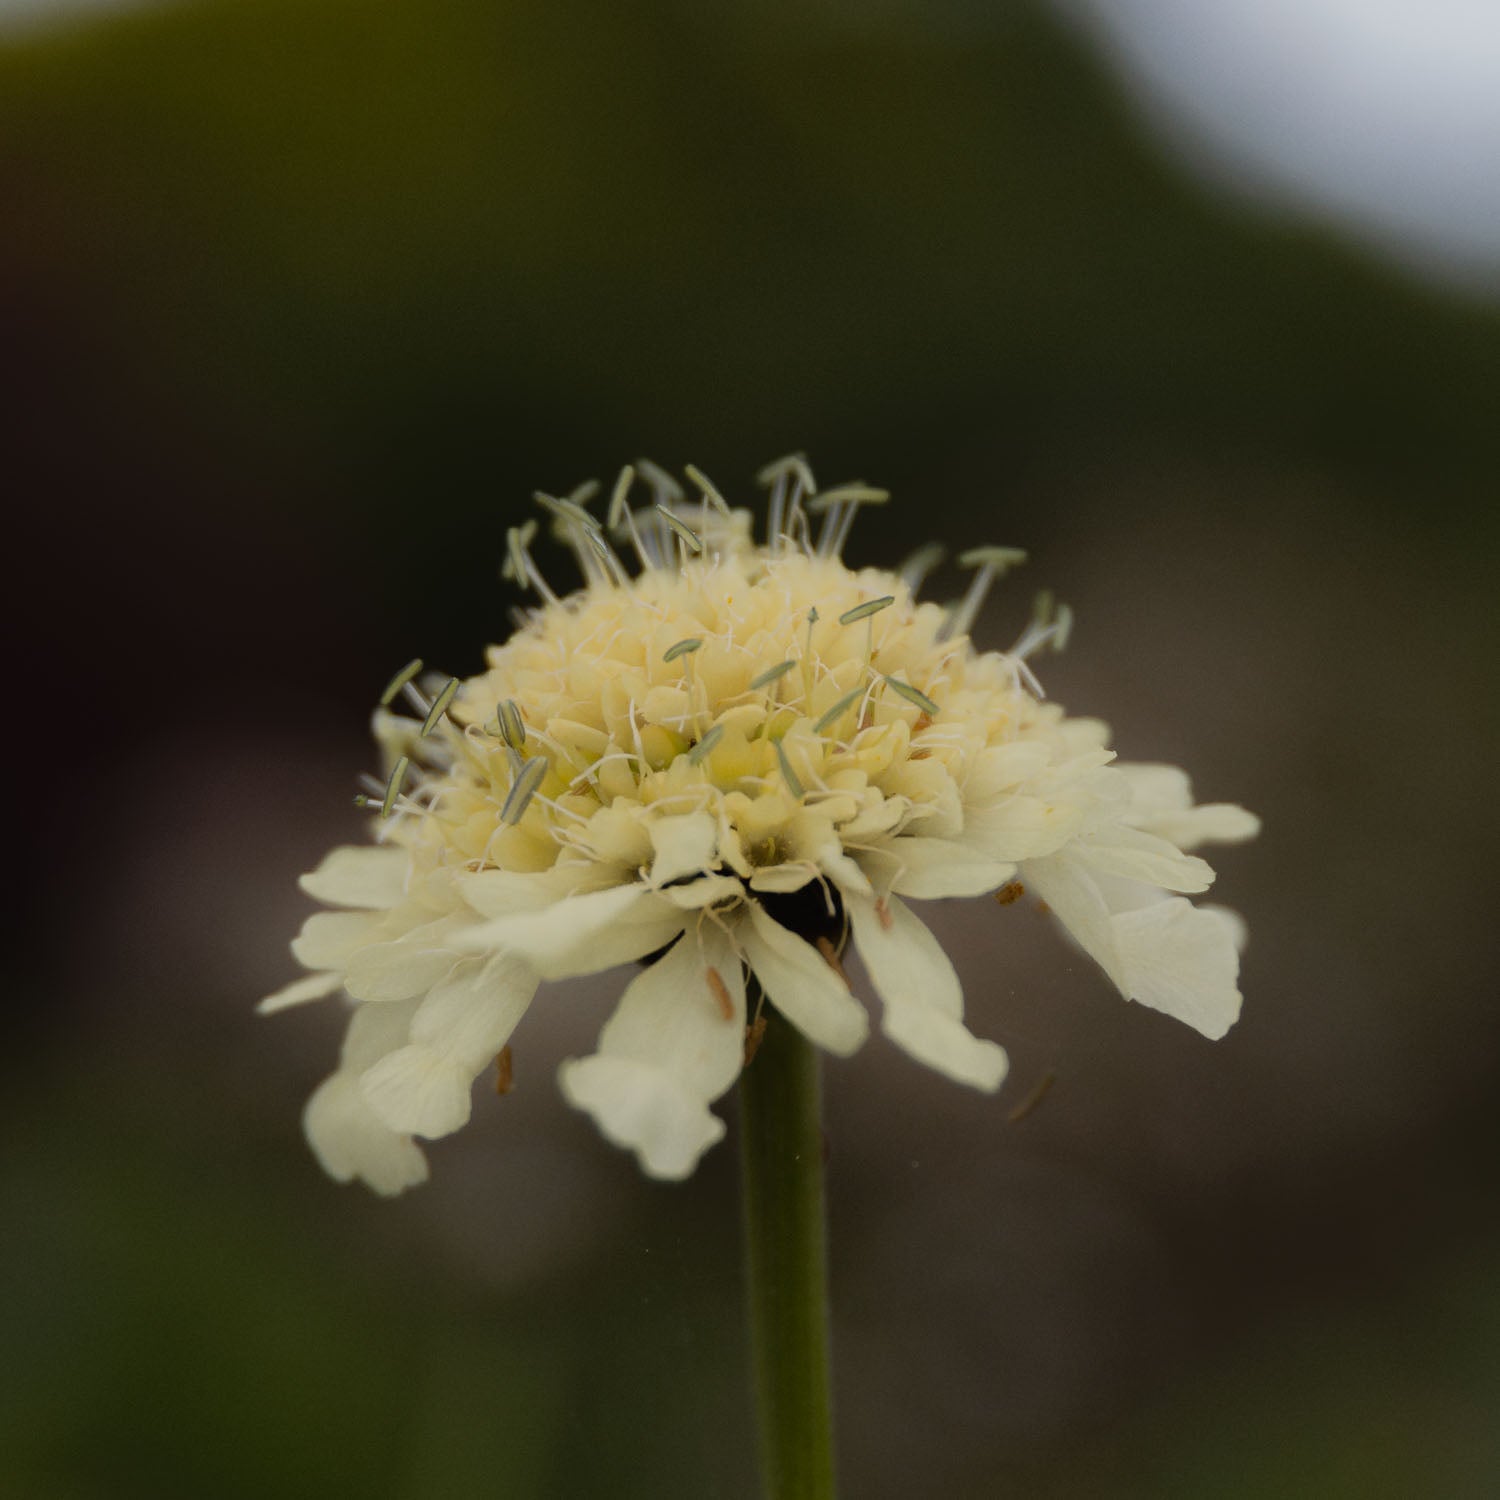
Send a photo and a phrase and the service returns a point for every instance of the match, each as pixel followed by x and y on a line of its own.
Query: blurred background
pixel 298 304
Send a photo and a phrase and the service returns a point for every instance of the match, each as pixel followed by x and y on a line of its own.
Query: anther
pixel 685 533
pixel 991 562
pixel 664 485
pixel 512 726
pixel 615 515
pixel 682 648
pixel 399 681
pixel 720 992
pixel 705 746
pixel 710 492
pixel 523 789
pixel 393 786
pixel 440 706
pixel 883 912
pixel 833 714
pixel 772 674
pixel 913 572
pixel 913 695
pixel 790 776
pixel 865 610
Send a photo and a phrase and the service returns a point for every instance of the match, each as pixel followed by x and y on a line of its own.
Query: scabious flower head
pixel 723 766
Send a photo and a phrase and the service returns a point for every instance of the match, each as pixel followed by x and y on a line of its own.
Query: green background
pixel 299 303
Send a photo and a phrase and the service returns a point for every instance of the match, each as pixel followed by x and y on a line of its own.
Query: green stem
pixel 781 1156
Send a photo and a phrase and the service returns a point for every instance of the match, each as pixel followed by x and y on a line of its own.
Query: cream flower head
pixel 723 767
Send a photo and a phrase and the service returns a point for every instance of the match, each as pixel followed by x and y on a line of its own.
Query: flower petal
pixel 930 869
pixel 1131 854
pixel 328 938
pixel 801 985
pixel 583 934
pixel 368 876
pixel 424 1087
pixel 299 991
pixel 349 1141
pixel 924 1004
pixel 405 966
pixel 674 1044
pixel 685 844
pixel 1183 962
pixel 504 893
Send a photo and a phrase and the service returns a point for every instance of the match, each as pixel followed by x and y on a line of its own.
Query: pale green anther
pixel 847 494
pixel 659 479
pixel 523 789
pixel 361 800
pixel 517 539
pixel 682 648
pixel 688 535
pixel 1064 623
pixel 920 564
pixel 615 515
pixel 838 710
pixel 710 492
pixel 399 681
pixel 998 558
pixel 705 745
pixel 440 706
pixel 565 510
pixel 772 674
pixel 581 494
pixel 393 787
pixel 813 616
pixel 794 464
pixel 512 727
pixel 865 610
pixel 795 786
pixel 914 695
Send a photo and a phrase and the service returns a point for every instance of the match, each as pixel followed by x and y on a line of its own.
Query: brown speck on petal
pixel 887 921
pixel 1010 893
pixel 504 1075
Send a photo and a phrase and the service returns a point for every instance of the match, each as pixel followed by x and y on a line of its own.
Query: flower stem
pixel 781 1156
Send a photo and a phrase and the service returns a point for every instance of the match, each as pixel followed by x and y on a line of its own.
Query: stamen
pixel 393 786
pixel 705 746
pixel 913 695
pixel 616 512
pixel 992 562
pixel 788 773
pixel 400 680
pixel 512 726
pixel 913 572
pixel 439 706
pixel 682 648
pixel 710 493
pixel 523 789
pixel 685 533
pixel 864 611
pixel 664 485
pixel 883 912
pixel 772 674
pixel 565 510
pixel 841 503
pixel 720 992
pixel 839 709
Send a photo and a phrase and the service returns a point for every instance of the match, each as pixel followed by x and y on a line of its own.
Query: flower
pixel 723 767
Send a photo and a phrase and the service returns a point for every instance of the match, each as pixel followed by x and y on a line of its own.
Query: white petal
pixel 923 1002
pixel 299 991
pixel 1131 854
pixel 1066 886
pixel 583 934
pixel 349 1141
pixel 424 1088
pixel 1183 962
pixel 782 879
pixel 363 876
pixel 1239 931
pixel 405 967
pixel 1211 823
pixel 328 938
pixel 685 844
pixel 930 869
pixel 504 893
pixel 709 891
pixel 801 985
pixel 673 1045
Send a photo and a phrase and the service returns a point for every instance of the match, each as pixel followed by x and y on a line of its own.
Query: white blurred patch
pixel 1383 113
